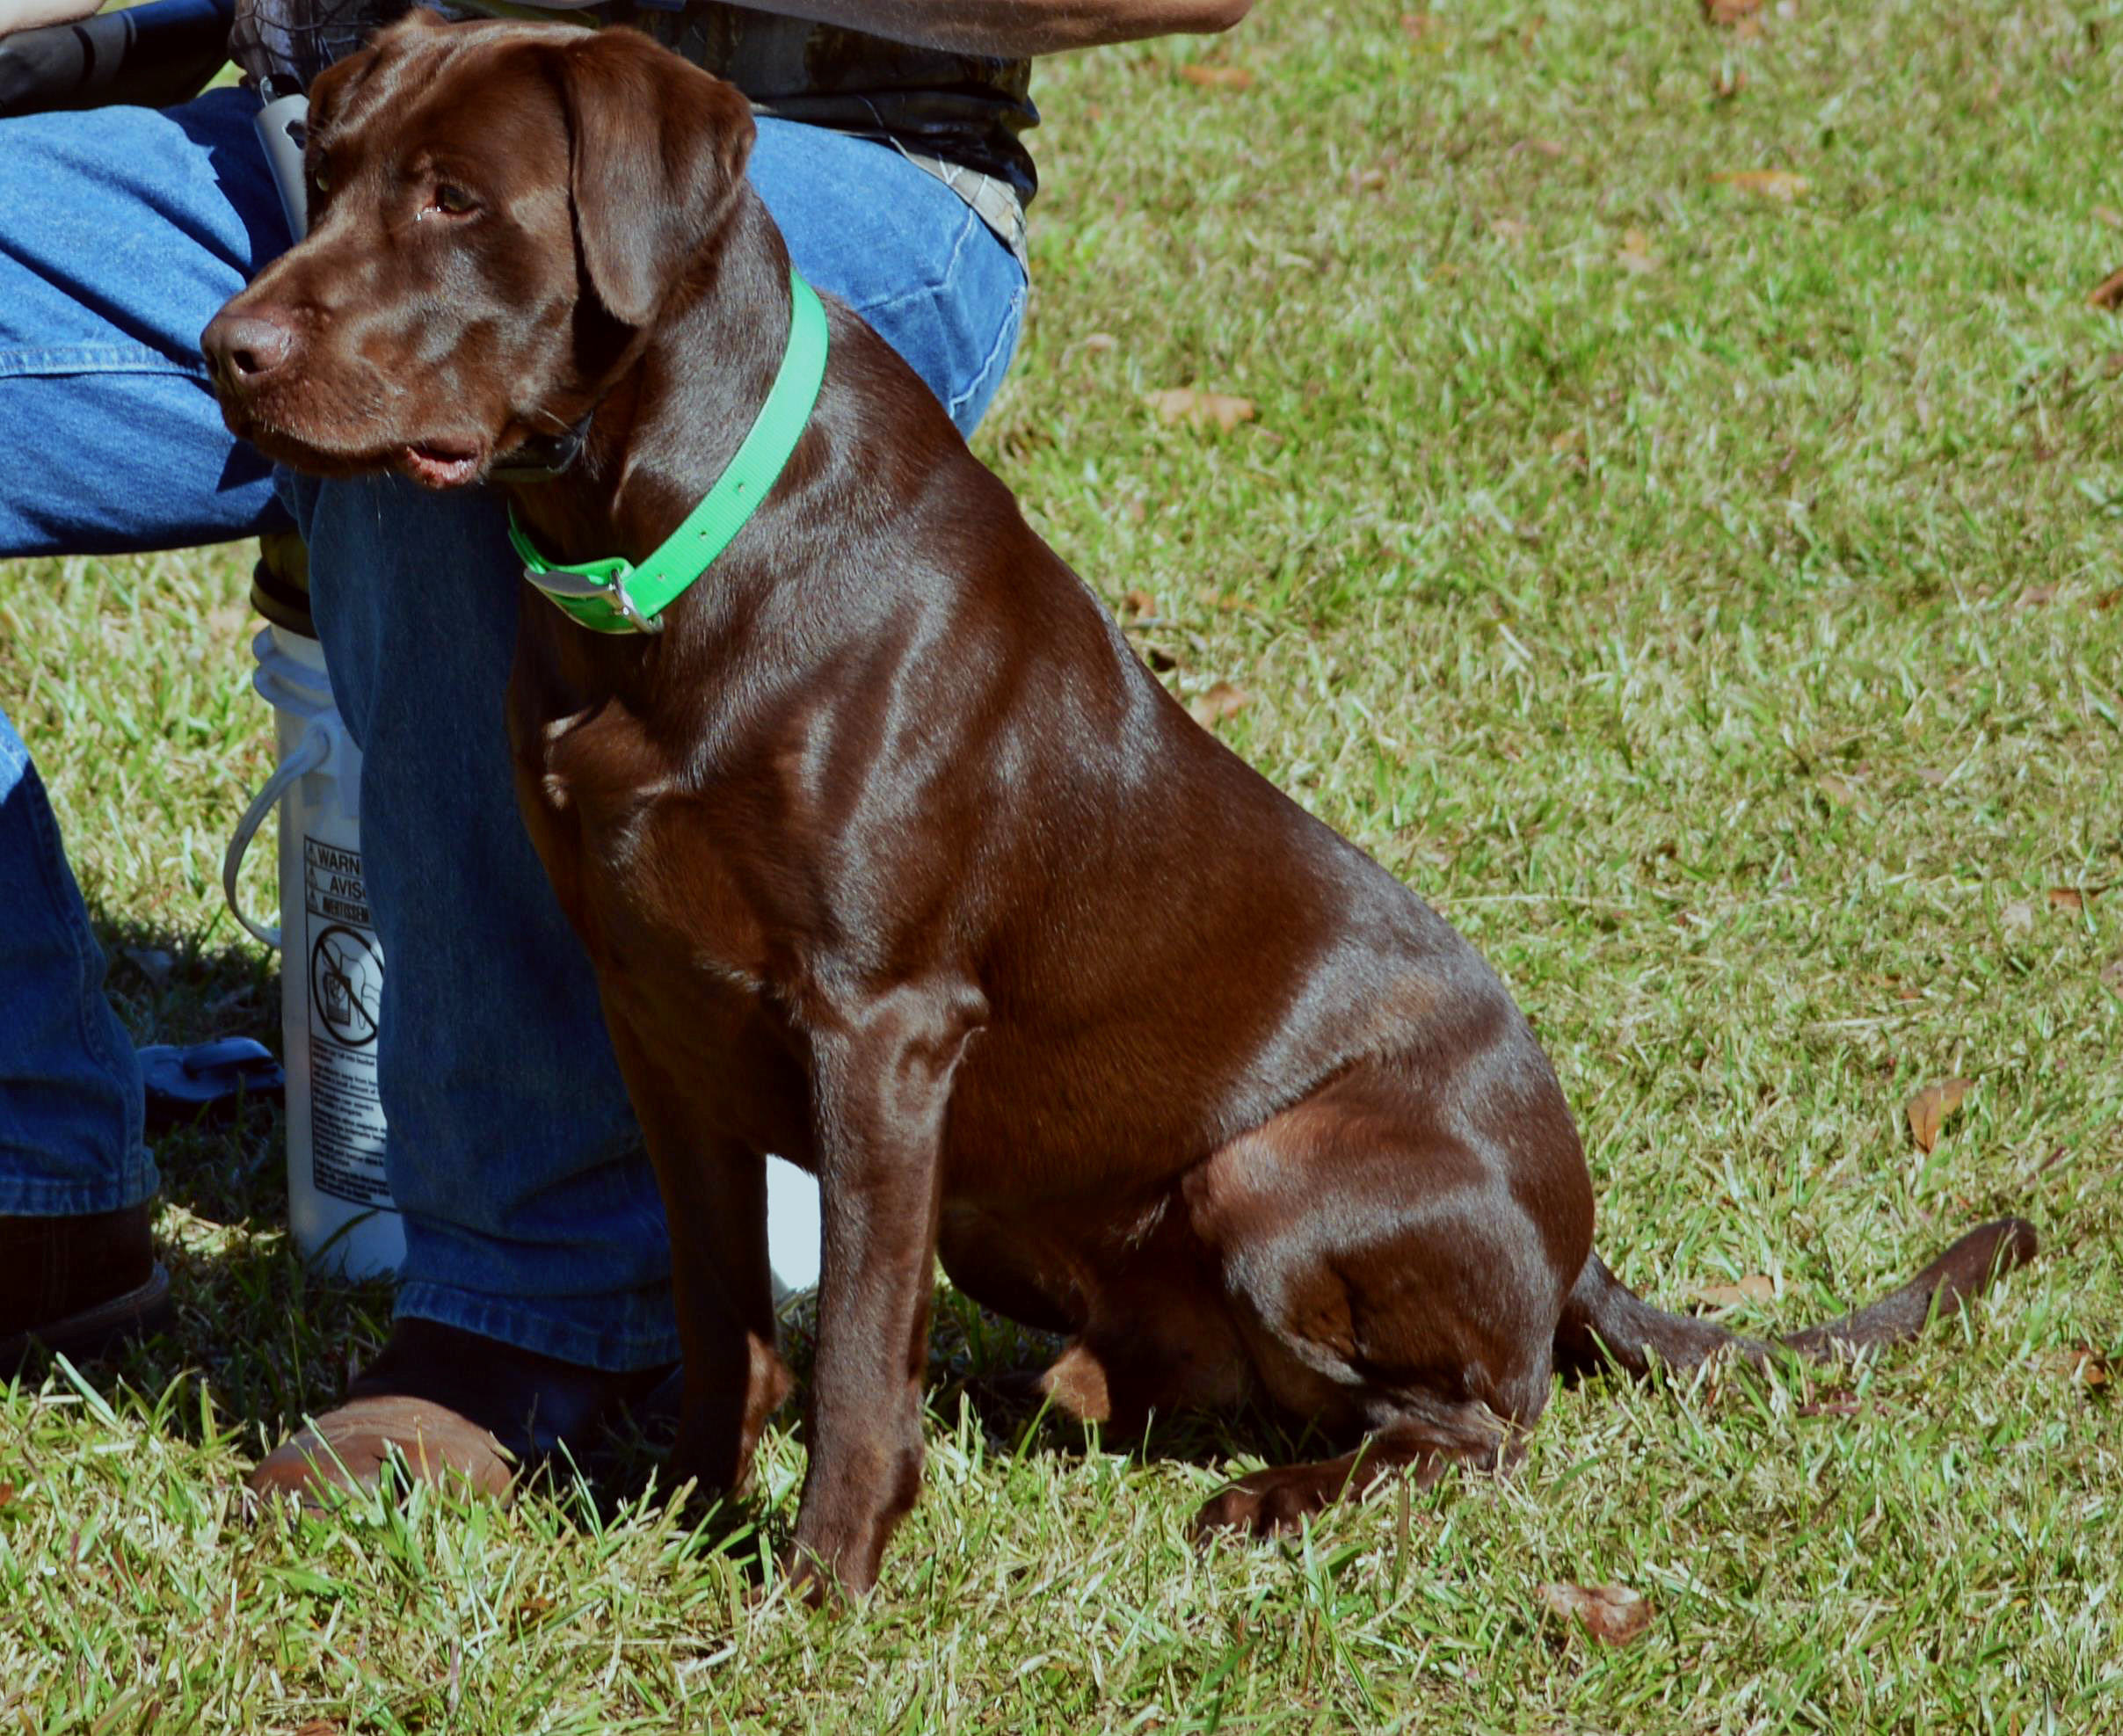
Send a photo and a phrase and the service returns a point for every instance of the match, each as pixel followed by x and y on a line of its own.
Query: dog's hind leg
pixel 1280 1499
pixel 1397 1265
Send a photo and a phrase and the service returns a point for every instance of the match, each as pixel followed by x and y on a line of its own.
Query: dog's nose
pixel 242 348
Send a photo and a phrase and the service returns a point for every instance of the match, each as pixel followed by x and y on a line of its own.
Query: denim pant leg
pixel 530 1214
pixel 121 231
pixel 70 1085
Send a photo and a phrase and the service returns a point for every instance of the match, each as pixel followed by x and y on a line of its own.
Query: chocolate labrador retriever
pixel 893 858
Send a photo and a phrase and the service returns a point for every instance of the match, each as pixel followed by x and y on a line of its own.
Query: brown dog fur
pixel 892 859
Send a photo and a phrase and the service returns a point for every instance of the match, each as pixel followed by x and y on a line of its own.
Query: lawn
pixel 1673 520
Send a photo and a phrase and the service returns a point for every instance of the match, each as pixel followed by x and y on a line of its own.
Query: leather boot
pixel 76 1285
pixel 461 1408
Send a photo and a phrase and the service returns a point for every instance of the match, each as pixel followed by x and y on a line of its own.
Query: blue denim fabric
pixel 69 1086
pixel 531 1216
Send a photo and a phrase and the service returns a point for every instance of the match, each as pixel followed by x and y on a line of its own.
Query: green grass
pixel 1732 647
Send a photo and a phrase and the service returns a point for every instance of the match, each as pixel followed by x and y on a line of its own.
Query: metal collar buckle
pixel 558 583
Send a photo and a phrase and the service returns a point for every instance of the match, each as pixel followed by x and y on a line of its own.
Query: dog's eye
pixel 319 180
pixel 454 199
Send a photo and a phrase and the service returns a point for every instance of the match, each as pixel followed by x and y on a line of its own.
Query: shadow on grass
pixel 272 1343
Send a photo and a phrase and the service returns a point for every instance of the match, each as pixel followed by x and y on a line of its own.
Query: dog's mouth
pixel 443 464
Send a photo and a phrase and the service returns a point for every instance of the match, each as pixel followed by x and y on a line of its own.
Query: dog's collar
pixel 615 595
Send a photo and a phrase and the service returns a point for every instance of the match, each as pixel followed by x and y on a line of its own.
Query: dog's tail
pixel 1604 1323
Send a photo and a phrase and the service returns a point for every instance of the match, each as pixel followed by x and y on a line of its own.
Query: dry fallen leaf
pixel 2086 1365
pixel 7 1493
pixel 1185 403
pixel 1729 11
pixel 1368 180
pixel 1220 701
pixel 1778 184
pixel 1754 1288
pixel 1612 1615
pixel 1636 254
pixel 2108 294
pixel 1140 602
pixel 1216 78
pixel 2066 898
pixel 1932 1108
pixel 2108 599
pixel 317 1726
pixel 1840 1403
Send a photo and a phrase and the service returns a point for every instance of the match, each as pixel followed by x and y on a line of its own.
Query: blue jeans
pixel 531 1215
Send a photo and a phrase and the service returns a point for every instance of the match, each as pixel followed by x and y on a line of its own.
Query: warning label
pixel 345 999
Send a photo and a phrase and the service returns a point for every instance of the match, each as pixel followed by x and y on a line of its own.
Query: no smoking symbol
pixel 347 984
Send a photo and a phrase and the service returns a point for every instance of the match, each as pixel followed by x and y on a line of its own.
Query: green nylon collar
pixel 616 596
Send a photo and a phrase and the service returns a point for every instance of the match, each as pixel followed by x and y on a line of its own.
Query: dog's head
pixel 495 209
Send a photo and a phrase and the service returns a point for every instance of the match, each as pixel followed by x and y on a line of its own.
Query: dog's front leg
pixel 881 1081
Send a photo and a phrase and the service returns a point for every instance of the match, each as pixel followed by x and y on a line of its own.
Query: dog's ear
pixel 657 149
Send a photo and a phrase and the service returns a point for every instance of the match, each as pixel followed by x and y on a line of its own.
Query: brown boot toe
pixel 462 1409
pixel 346 1449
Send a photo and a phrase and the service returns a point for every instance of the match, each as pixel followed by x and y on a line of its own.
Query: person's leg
pixel 121 231
pixel 531 1216
pixel 76 1264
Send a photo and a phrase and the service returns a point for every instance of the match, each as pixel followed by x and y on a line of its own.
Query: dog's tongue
pixel 434 464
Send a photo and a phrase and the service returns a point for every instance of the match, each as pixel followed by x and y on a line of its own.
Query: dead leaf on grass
pixel 7 1493
pixel 1932 1108
pixel 2108 599
pixel 1140 602
pixel 2034 596
pixel 1216 78
pixel 1199 409
pixel 1729 12
pixel 1636 254
pixel 1612 1615
pixel 2107 294
pixel 317 1726
pixel 1221 700
pixel 1839 1403
pixel 2067 898
pixel 1778 184
pixel 2085 1365
pixel 1756 1287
